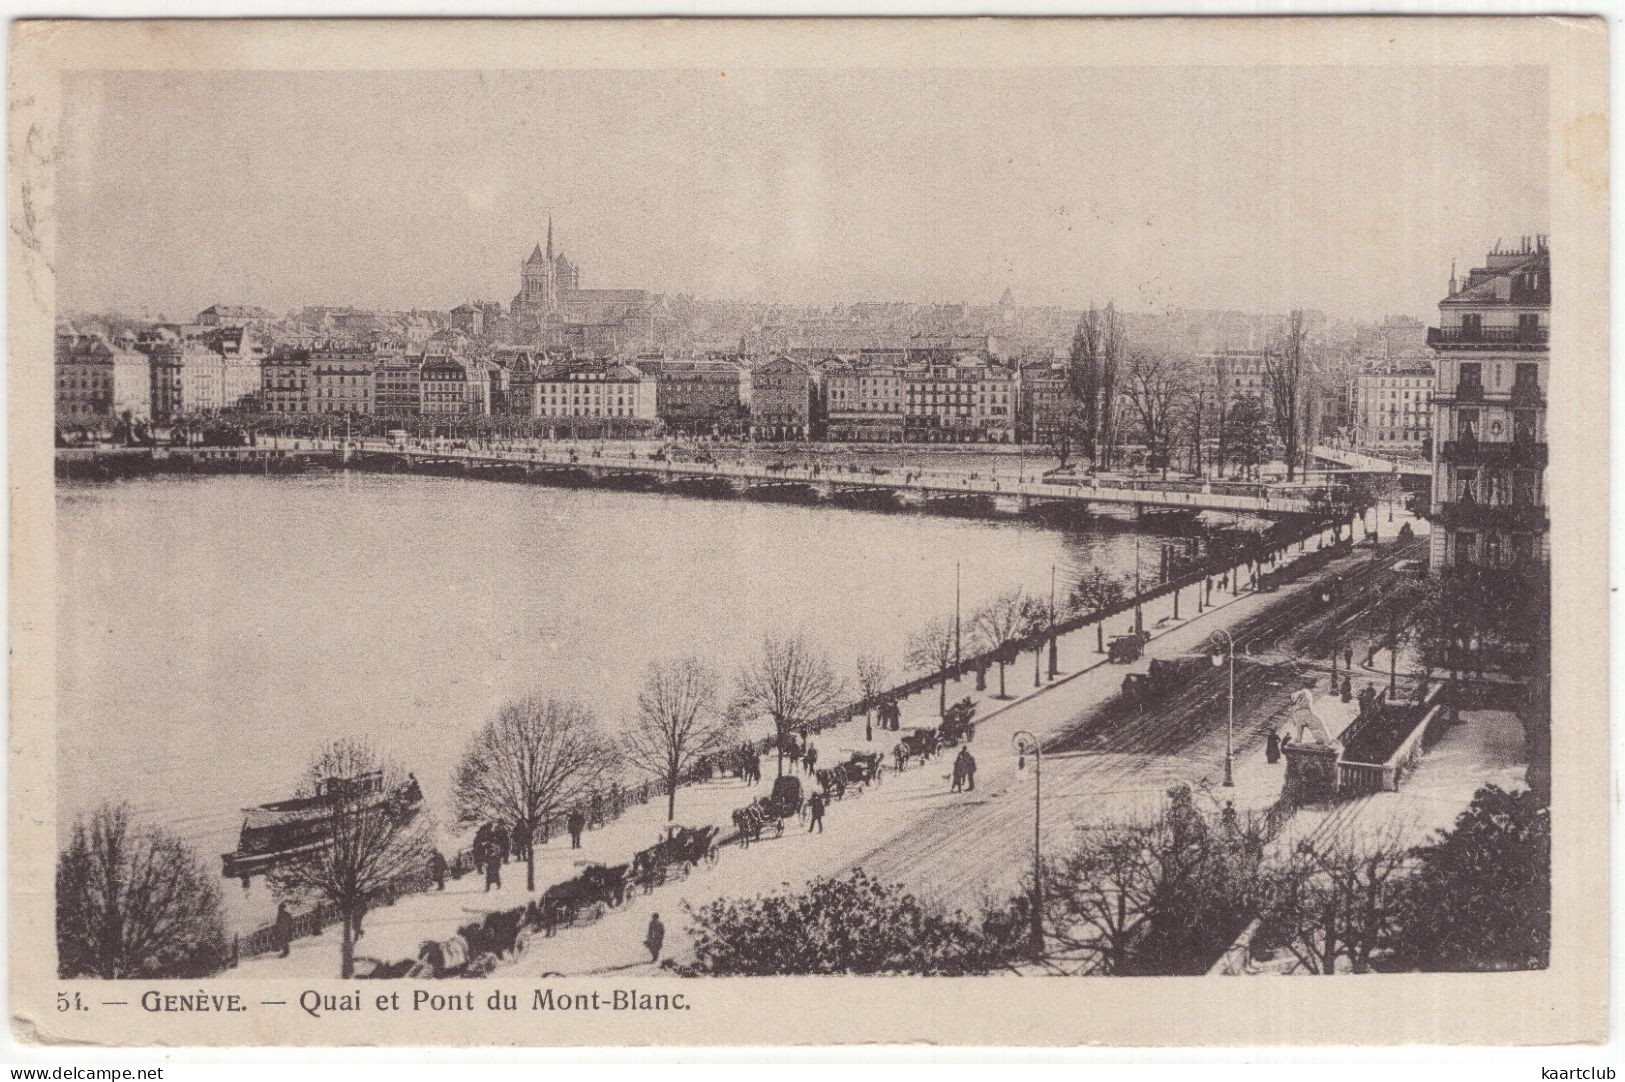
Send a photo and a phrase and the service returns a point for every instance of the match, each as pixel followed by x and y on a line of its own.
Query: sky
pixel 1348 189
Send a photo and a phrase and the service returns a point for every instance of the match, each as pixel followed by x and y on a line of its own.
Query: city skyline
pixel 427 191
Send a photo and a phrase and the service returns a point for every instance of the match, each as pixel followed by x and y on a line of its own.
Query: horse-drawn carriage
pixel 1163 679
pixel 859 770
pixel 1126 649
pixel 784 802
pixel 958 723
pixel 596 889
pixel 674 855
pixel 919 742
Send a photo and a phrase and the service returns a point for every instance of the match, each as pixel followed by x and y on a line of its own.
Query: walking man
pixel 816 806
pixel 493 872
pixel 655 938
pixel 812 758
pixel 284 927
pixel 970 770
pixel 576 822
pixel 437 869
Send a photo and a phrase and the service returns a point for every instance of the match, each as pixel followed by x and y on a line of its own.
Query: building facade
pixel 397 385
pixel 285 381
pixel 1489 413
pixel 341 378
pixel 784 400
pixel 452 386
pixel 1392 408
pixel 707 397
pixel 620 392
pixel 967 401
pixel 1044 401
pixel 864 403
pixel 98 381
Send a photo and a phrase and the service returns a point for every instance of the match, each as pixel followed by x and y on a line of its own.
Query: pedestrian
pixel 1272 747
pixel 493 873
pixel 816 806
pixel 1348 657
pixel 970 771
pixel 576 823
pixel 437 869
pixel 1348 690
pixel 812 758
pixel 284 928
pixel 655 938
pixel 959 773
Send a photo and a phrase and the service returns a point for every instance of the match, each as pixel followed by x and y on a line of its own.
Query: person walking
pixel 816 806
pixel 493 872
pixel 970 770
pixel 576 822
pixel 811 758
pixel 959 773
pixel 437 869
pixel 655 938
pixel 284 928
pixel 1348 657
pixel 1272 747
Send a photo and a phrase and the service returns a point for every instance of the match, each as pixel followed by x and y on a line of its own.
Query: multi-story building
pixel 1235 374
pixel 341 378
pixel 967 401
pixel 707 397
pixel 187 378
pixel 864 403
pixel 397 385
pixel 233 315
pixel 1489 413
pixel 1392 407
pixel 242 358
pixel 784 400
pixel 1044 401
pixel 98 380
pixel 453 386
pixel 285 381
pixel 618 391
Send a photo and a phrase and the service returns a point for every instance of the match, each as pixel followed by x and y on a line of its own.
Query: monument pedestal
pixel 1311 773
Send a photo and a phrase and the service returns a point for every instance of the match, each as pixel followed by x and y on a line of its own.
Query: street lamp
pixel 1027 744
pixel 1224 646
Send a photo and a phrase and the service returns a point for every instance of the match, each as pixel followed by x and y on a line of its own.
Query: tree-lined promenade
pixel 525 768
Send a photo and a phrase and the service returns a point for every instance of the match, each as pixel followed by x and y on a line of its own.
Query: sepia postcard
pixel 812 532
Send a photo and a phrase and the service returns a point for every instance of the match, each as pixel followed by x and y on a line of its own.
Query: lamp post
pixel 1054 668
pixel 1027 744
pixel 1223 645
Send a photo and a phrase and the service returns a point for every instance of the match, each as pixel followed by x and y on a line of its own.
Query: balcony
pixel 1488 337
pixel 1519 454
pixel 1470 515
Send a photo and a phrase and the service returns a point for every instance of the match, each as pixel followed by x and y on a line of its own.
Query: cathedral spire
pixel 550 238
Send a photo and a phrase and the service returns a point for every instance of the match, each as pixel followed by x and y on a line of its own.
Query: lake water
pixel 214 631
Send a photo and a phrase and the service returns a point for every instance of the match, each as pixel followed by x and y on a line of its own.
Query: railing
pixel 1361 778
pixel 1524 452
pixel 1471 513
pixel 1470 335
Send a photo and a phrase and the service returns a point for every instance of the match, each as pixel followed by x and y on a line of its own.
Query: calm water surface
pixel 214 631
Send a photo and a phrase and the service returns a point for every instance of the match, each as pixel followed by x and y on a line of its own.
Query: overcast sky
pixel 1346 189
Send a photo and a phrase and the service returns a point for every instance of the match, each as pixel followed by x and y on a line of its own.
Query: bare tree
pixel 1287 374
pixel 536 758
pixel 373 834
pixel 1332 902
pixel 1095 590
pixel 932 648
pixel 134 902
pixel 677 722
pixel 1156 386
pixel 791 683
pixel 999 624
pixel 873 675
